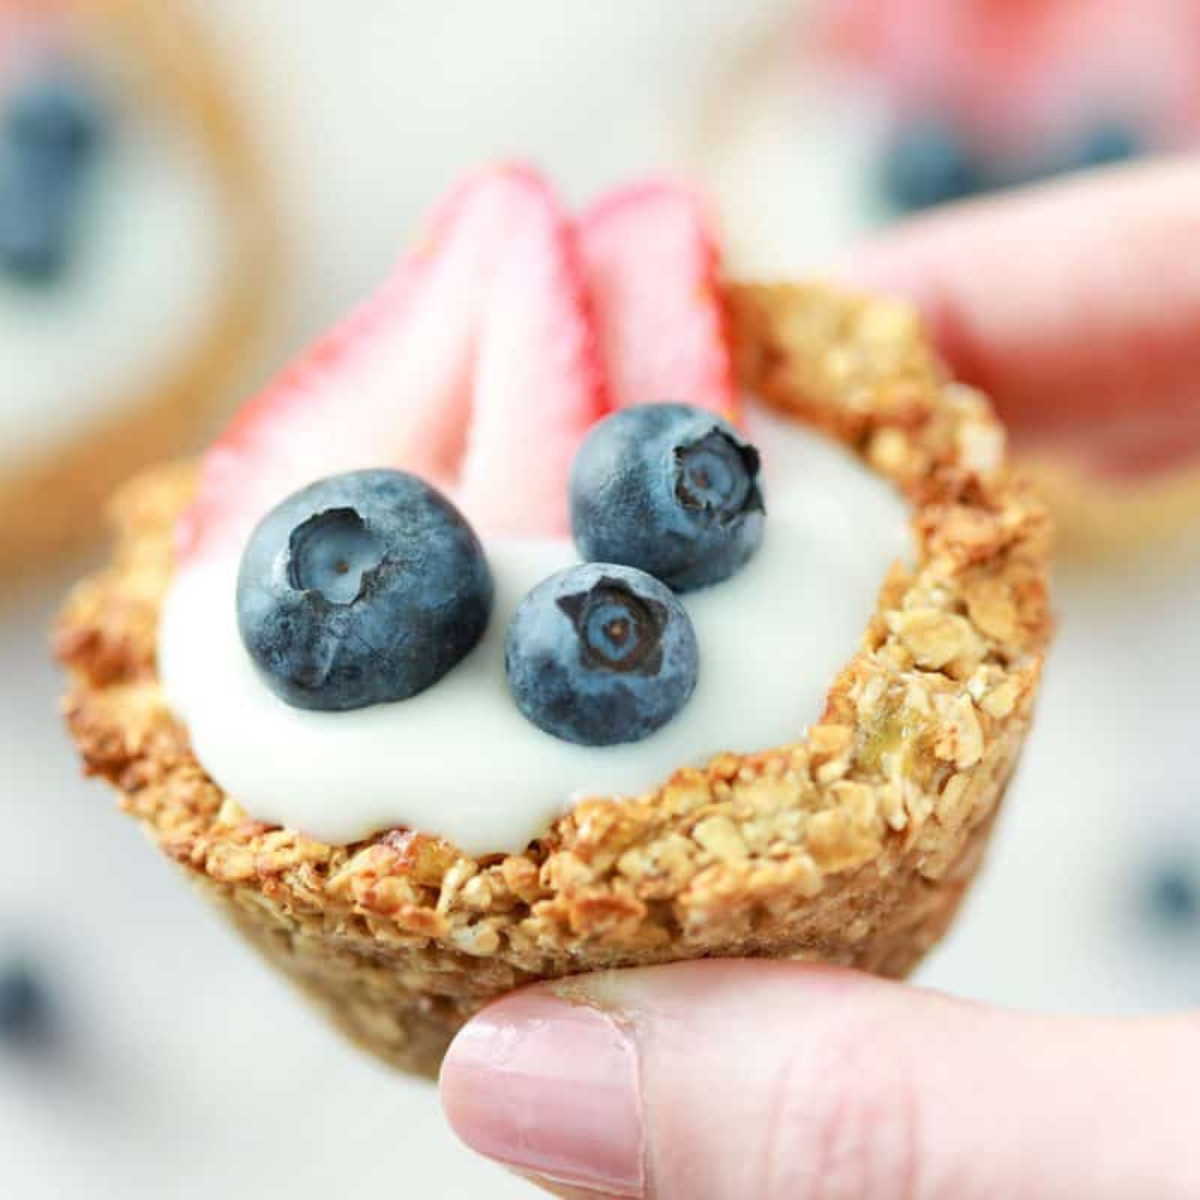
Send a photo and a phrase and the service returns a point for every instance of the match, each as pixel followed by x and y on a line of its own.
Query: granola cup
pixel 853 845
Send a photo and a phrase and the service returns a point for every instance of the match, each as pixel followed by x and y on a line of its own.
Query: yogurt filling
pixel 460 761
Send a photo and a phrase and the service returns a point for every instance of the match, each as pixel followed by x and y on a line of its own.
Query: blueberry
pixel 54 120
pixel 669 489
pixel 361 588
pixel 1172 895
pixel 928 163
pixel 1108 142
pixel 601 654
pixel 33 228
pixel 24 1005
pixel 48 132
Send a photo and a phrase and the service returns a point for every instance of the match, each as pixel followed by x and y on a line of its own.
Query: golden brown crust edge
pixel 852 846
pixel 54 502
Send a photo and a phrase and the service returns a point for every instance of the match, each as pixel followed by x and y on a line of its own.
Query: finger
pixel 1075 305
pixel 723 1080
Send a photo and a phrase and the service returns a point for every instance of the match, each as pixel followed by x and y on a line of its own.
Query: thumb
pixel 724 1080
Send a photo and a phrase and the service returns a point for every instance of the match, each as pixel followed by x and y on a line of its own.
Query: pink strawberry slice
pixel 652 266
pixel 476 367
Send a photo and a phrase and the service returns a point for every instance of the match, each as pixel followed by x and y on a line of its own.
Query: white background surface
pixel 187 1069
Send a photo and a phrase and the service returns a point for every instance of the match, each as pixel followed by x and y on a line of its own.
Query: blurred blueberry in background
pixel 54 118
pixel 33 226
pixel 49 133
pixel 1171 896
pixel 25 1010
pixel 928 163
pixel 1106 143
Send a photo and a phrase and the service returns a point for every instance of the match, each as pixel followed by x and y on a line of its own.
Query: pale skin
pixel 1077 306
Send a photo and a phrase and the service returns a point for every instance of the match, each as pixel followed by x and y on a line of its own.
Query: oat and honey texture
pixel 852 845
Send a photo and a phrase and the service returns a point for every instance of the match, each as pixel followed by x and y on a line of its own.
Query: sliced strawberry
pixel 486 323
pixel 652 267
pixel 539 381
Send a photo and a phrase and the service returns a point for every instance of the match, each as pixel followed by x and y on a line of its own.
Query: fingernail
pixel 550 1089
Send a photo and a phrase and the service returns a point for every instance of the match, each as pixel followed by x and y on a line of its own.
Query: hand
pixel 1077 307
pixel 756 1080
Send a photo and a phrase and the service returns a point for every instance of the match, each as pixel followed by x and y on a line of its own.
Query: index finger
pixel 1075 305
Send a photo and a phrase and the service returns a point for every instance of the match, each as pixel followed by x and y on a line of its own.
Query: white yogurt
pixel 151 260
pixel 460 761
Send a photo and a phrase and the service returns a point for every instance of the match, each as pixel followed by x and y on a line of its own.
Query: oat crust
pixel 853 845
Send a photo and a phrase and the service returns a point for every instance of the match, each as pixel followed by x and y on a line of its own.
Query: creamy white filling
pixel 460 761
pixel 152 254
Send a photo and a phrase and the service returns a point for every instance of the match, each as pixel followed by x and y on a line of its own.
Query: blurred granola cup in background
pixel 126 321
